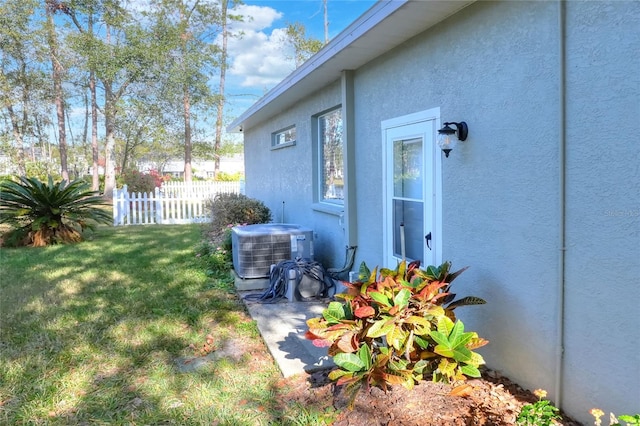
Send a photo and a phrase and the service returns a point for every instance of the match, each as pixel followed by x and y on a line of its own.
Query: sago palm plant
pixel 42 213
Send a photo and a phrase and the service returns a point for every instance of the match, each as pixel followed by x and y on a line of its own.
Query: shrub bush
pixel 229 177
pixel 142 182
pixel 49 213
pixel 217 255
pixel 229 208
pixel 41 170
pixel 398 327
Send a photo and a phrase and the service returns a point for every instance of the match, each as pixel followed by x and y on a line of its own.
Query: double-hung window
pixel 330 156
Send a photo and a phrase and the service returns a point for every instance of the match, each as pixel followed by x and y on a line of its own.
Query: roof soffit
pixel 385 26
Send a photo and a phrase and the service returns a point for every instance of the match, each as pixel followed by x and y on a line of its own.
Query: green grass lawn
pixel 91 333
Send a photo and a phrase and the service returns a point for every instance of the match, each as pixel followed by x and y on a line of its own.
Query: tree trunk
pixel 187 135
pixel 109 150
pixel 57 90
pixel 17 135
pixel 221 98
pixel 186 98
pixel 95 181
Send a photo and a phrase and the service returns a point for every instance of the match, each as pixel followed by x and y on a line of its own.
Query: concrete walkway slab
pixel 283 325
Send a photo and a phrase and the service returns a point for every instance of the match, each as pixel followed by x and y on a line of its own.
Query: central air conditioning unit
pixel 256 247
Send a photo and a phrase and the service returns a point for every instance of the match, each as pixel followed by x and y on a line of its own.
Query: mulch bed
pixel 493 400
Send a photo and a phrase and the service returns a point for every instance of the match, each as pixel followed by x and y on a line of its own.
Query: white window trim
pixel 426 115
pixel 274 138
pixel 320 203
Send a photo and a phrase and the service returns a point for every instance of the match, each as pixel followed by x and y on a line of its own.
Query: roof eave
pixel 372 34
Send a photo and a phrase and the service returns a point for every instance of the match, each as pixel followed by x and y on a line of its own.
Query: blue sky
pixel 259 59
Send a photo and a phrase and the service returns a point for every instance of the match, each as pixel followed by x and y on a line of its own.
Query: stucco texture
pixel 602 316
pixel 494 67
pixel 556 259
pixel 283 178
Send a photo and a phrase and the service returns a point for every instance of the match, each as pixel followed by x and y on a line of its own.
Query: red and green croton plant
pixel 398 327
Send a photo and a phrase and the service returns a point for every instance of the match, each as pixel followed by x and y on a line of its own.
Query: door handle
pixel 428 240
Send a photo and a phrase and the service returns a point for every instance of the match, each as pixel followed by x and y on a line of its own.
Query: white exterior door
pixel 412 219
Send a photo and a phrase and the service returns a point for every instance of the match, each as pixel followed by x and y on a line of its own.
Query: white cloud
pixel 259 58
pixel 256 18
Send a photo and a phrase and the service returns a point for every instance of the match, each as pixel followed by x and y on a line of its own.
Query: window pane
pixel 410 214
pixel 285 137
pixel 407 168
pixel 332 179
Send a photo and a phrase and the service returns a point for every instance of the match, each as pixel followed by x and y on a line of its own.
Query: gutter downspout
pixel 562 145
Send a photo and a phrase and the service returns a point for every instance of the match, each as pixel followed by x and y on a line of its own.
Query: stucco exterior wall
pixel 498 66
pixel 602 357
pixel 494 67
pixel 283 178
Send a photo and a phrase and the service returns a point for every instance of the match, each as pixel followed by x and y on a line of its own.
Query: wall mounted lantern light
pixel 448 138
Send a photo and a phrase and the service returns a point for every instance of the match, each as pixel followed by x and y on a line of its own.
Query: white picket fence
pixel 173 203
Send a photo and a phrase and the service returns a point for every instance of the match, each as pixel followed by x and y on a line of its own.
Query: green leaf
pixel 631 420
pixel 348 361
pixel 423 343
pixel 445 325
pixel 433 272
pixel 458 337
pixel 365 356
pixel 456 332
pixel 334 313
pixel 461 340
pixel 380 328
pixel 444 350
pixel 402 298
pixel 440 338
pixel 461 354
pixel 380 298
pixel 363 273
pixel 420 366
pixel 398 365
pixel 415 283
pixel 476 359
pixel 470 371
pixel 447 367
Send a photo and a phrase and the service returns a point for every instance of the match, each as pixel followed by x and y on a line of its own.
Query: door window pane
pixel 409 213
pixel 407 168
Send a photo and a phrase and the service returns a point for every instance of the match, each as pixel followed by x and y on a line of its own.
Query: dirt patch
pixel 493 400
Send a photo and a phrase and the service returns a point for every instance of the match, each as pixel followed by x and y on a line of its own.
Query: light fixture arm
pixel 462 129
